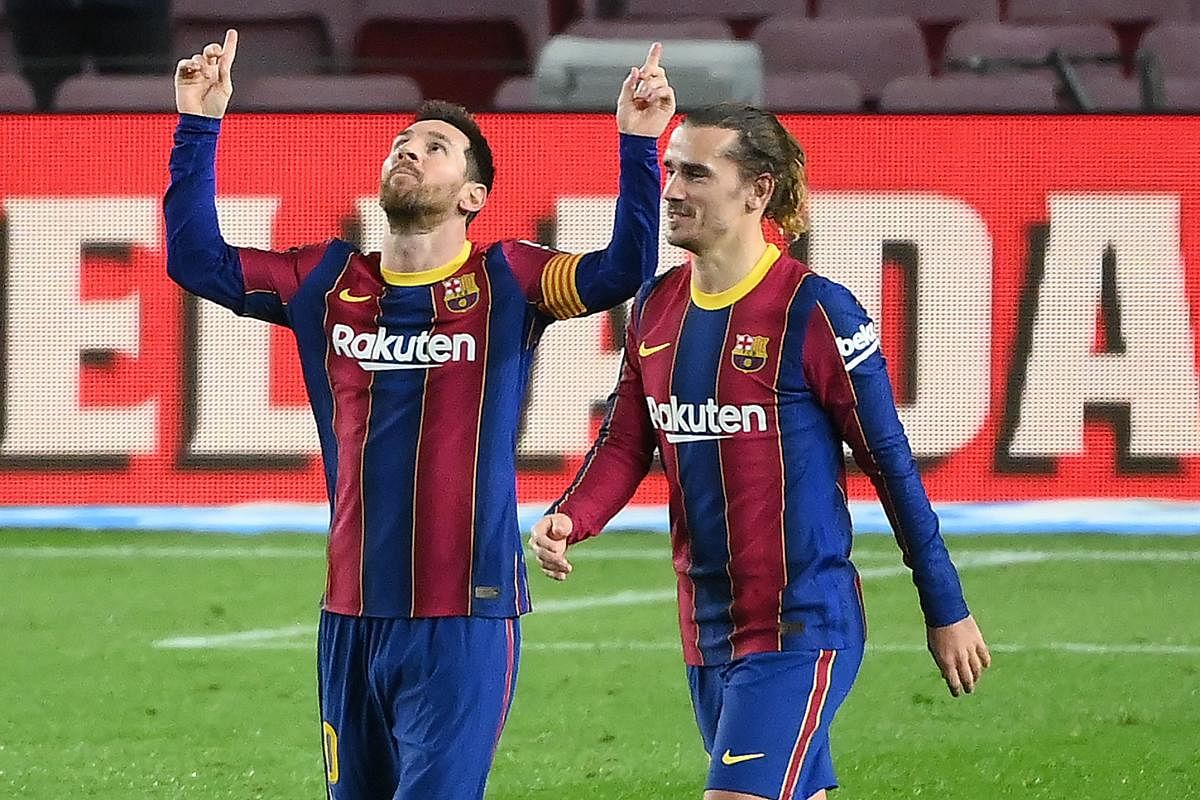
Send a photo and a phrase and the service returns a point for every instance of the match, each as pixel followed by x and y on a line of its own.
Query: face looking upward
pixel 424 180
pixel 707 196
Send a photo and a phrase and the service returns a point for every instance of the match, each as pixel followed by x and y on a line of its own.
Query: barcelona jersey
pixel 748 395
pixel 416 380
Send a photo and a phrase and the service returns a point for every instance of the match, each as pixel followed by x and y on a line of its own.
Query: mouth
pixel 412 173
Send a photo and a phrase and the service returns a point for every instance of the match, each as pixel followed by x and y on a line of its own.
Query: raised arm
pixel 645 107
pixel 251 282
pixel 846 371
pixel 565 285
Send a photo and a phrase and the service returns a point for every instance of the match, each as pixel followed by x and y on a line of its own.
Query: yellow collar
pixel 427 277
pixel 713 302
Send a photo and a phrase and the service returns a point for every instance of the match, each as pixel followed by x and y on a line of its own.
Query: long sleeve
pixel 249 282
pixel 198 258
pixel 619 458
pixel 848 374
pixel 565 285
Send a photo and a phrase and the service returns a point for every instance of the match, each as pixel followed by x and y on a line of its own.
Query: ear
pixel 760 191
pixel 472 197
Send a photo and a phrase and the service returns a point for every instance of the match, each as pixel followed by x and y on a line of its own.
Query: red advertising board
pixel 1036 280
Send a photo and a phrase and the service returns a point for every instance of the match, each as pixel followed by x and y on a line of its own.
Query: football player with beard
pixel 416 360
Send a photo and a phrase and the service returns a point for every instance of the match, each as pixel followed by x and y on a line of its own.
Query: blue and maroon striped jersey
pixel 748 396
pixel 416 380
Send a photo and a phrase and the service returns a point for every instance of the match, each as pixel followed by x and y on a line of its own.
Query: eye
pixel 437 146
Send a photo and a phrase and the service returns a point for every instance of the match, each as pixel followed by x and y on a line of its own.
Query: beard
pixel 419 208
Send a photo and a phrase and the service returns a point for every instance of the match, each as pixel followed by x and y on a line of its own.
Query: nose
pixel 672 190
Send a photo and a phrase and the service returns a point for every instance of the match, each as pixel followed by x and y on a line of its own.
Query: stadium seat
pixel 1182 94
pixel 516 94
pixel 969 93
pixel 119 93
pixel 1114 92
pixel 811 91
pixel 872 51
pixel 15 94
pixel 583 74
pixel 1107 88
pixel 720 9
pixel 1177 48
pixel 994 39
pixel 926 12
pixel 1067 11
pixel 390 93
pixel 461 51
pixel 936 17
pixel 275 36
pixel 8 53
pixel 688 28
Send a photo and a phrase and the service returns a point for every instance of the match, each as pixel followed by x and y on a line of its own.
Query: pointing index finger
pixel 229 49
pixel 653 57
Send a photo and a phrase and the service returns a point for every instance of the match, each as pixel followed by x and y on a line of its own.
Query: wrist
pixel 636 145
pixel 198 123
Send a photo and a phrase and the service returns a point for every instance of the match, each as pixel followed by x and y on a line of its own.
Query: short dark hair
pixel 764 146
pixel 480 167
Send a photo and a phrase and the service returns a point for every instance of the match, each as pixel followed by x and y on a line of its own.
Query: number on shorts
pixel 331 753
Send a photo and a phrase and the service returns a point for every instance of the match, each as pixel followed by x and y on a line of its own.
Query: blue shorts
pixel 413 708
pixel 765 720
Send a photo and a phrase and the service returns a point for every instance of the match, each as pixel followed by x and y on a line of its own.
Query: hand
pixel 202 82
pixel 549 542
pixel 960 653
pixel 647 102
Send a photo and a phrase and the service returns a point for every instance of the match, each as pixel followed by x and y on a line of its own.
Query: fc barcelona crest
pixel 461 292
pixel 749 352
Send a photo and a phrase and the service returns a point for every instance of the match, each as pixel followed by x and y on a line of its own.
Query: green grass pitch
pixel 182 666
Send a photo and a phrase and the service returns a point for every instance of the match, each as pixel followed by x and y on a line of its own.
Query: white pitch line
pixel 269 552
pixel 270 638
pixel 241 639
pixel 1067 648
pixel 135 551
pixel 962 557
pixel 1079 648
pixel 266 637
pixel 627 598
pixel 984 557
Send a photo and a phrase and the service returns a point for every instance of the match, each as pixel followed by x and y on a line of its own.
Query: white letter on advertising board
pixel 48 326
pixel 572 373
pixel 953 305
pixel 1155 375
pixel 234 415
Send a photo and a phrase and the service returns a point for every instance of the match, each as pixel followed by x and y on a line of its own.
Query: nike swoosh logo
pixel 644 351
pixel 350 298
pixel 729 759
